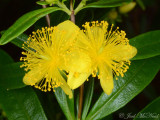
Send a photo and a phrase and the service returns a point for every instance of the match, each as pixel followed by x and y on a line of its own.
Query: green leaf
pixel 21 104
pixel 100 4
pixel 5 58
pixel 19 41
pixel 88 98
pixel 50 107
pixel 66 104
pixel 24 23
pixel 77 103
pixel 147 44
pixel 42 3
pixel 140 74
pixel 106 3
pixel 150 112
pixel 10 73
pixel 11 76
pixel 141 4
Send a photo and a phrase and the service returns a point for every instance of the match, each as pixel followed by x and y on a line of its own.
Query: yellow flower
pixel 46 57
pixel 101 52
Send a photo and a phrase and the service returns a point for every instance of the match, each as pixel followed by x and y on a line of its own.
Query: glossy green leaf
pixel 19 41
pixel 10 73
pixel 24 23
pixel 51 107
pixel 42 3
pixel 11 76
pixel 5 58
pixel 88 97
pixel 66 104
pixel 150 112
pixel 100 4
pixel 140 74
pixel 21 104
pixel 147 44
pixel 107 3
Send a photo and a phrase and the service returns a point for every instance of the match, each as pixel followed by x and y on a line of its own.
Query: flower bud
pixel 127 7
pixel 51 1
pixel 112 15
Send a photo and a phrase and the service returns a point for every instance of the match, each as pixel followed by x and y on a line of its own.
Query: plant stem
pixel 72 11
pixel 47 16
pixel 64 7
pixel 80 101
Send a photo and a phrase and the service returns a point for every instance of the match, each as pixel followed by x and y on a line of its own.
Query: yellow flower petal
pixel 106 78
pixel 66 88
pixel 79 69
pixel 70 28
pixel 32 77
pixel 78 62
pixel 76 79
pixel 121 52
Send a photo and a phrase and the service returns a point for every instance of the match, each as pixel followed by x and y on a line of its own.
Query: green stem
pixel 63 6
pixel 80 6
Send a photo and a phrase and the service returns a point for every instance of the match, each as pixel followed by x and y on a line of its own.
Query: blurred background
pixel 143 17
